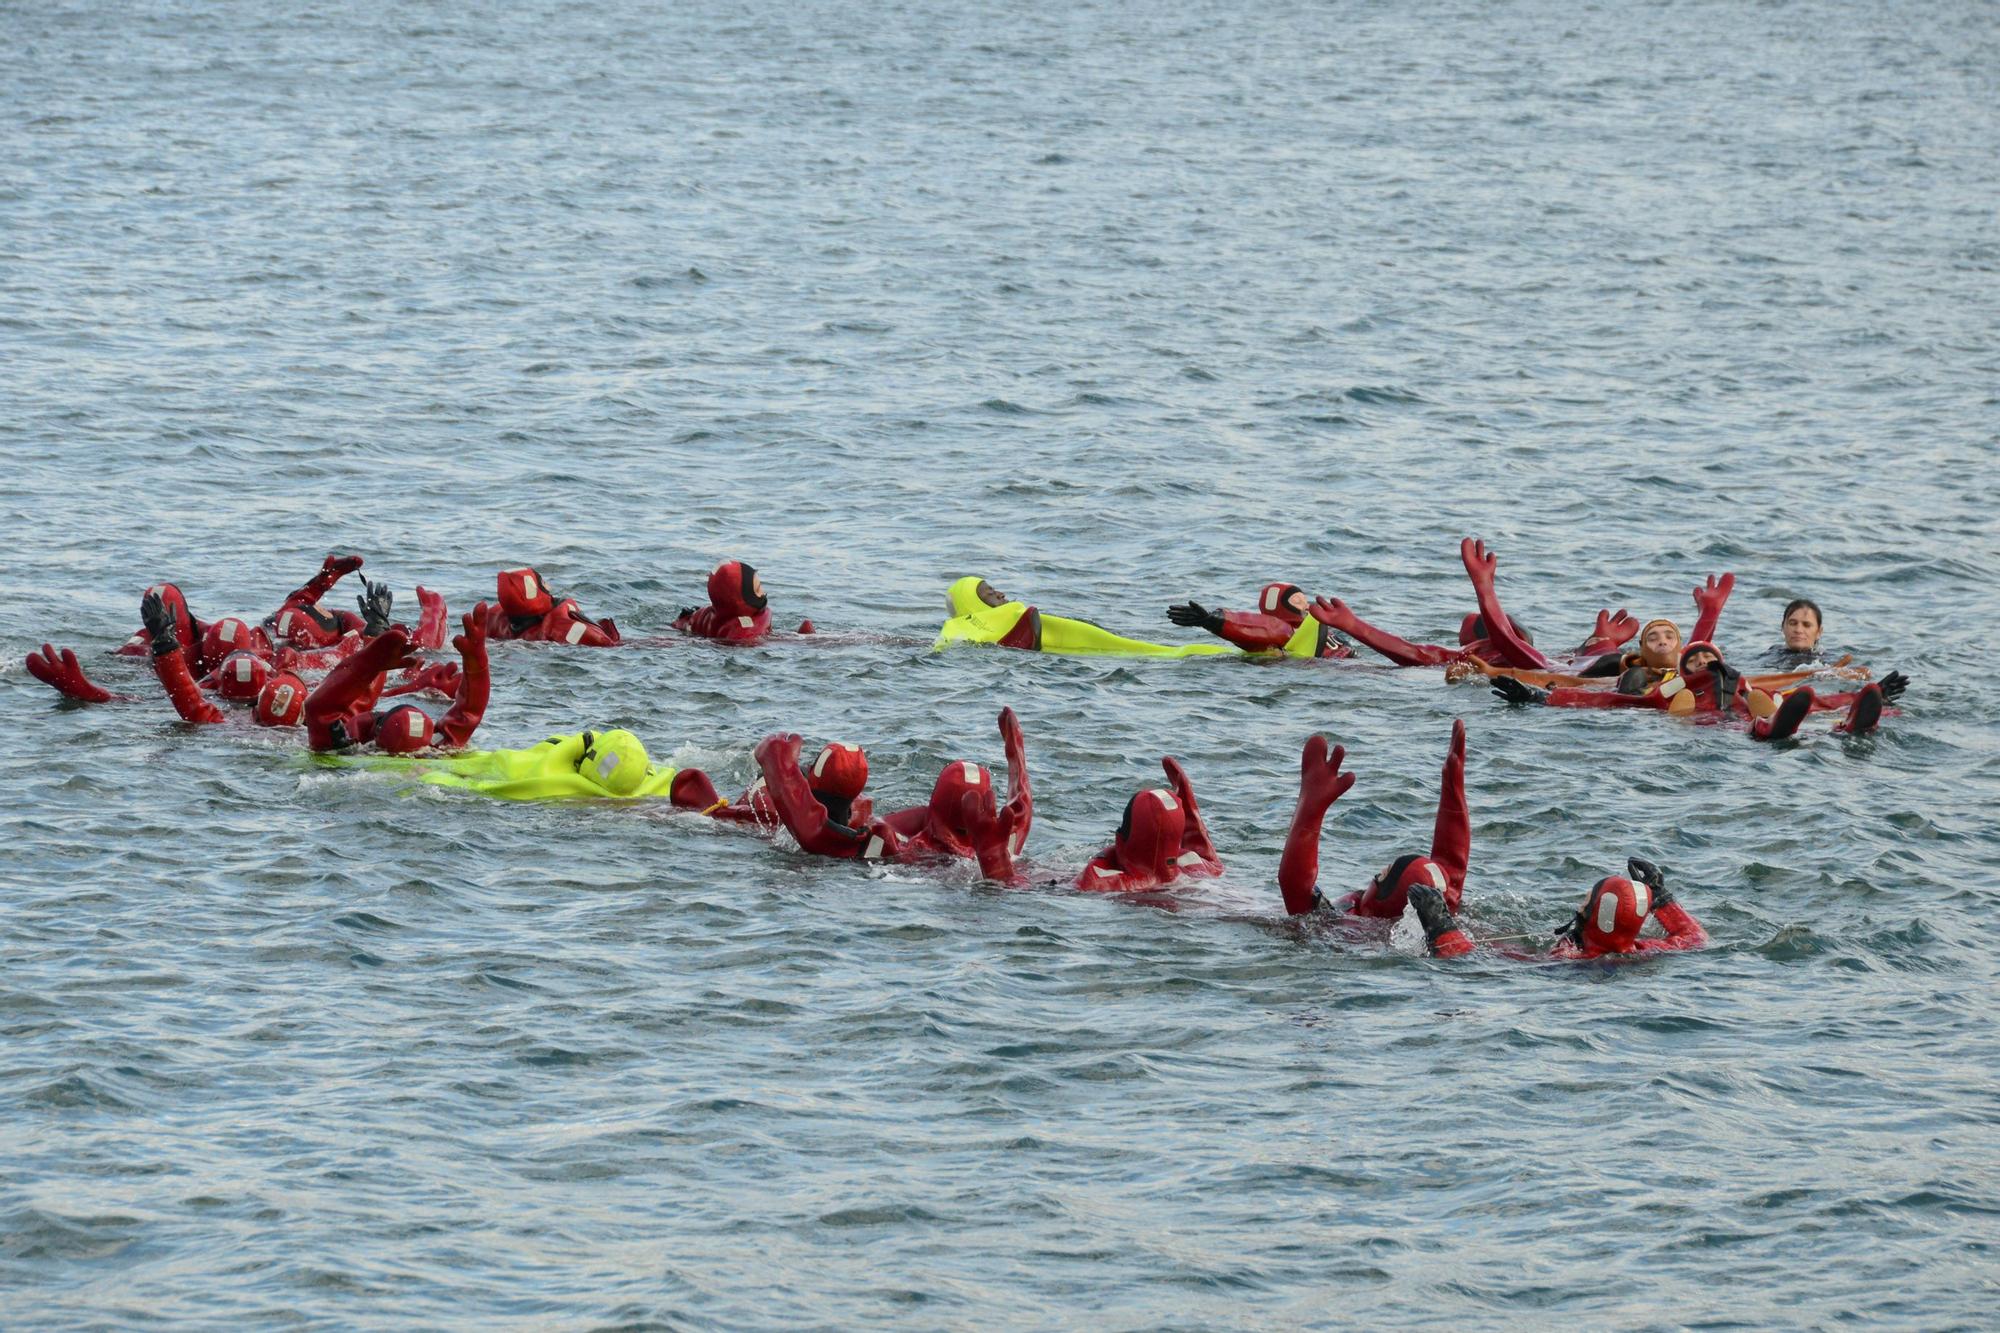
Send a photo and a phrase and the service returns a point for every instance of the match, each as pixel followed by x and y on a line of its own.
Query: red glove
pixel 1321 782
pixel 468 707
pixel 1019 813
pixel 61 672
pixel 1708 602
pixel 437 677
pixel 692 790
pixel 1612 632
pixel 431 621
pixel 992 833
pixel 1194 836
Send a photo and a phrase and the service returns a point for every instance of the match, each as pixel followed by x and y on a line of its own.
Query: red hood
pixel 1276 600
pixel 1613 914
pixel 1148 841
pixel 732 589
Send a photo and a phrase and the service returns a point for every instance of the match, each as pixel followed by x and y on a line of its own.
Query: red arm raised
pixel 1019 812
pixel 1708 603
pixel 1479 565
pixel 475 684
pixel 331 571
pixel 1194 836
pixel 1321 783
pixel 1451 835
pixel 431 621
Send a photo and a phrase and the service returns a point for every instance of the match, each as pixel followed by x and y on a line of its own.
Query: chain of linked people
pixel 352 680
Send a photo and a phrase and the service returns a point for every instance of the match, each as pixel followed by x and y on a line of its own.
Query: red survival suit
pixel 187 630
pixel 1160 839
pixel 341 712
pixel 529 612
pixel 1608 923
pixel 835 778
pixel 303 623
pixel 1719 690
pixel 737 610
pixel 960 819
pixel 1507 644
pixel 1321 783
pixel 1282 609
pixel 280 697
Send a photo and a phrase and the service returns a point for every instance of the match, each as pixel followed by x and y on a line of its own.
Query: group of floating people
pixel 364 659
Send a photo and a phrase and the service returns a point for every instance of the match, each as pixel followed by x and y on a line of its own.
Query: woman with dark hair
pixel 1801 626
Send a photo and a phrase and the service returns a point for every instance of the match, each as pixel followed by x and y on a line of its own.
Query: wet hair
pixel 1805 604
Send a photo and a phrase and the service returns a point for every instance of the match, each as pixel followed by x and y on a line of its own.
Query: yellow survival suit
pixel 586 765
pixel 981 615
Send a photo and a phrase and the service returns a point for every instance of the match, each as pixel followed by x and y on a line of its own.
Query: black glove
pixel 1193 615
pixel 1573 929
pixel 1431 911
pixel 686 611
pixel 1514 692
pixel 1635 680
pixel 1642 871
pixel 159 624
pixel 1893 686
pixel 375 603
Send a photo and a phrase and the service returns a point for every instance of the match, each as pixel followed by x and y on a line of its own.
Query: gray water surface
pixel 1116 305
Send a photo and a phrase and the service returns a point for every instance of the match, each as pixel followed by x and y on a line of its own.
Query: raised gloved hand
pixel 1193 615
pixel 1321 782
pixel 159 624
pixel 1514 692
pixel 1479 562
pixel 780 748
pixel 1642 871
pixel 474 636
pixel 1893 686
pixel 377 603
pixel 1710 596
pixel 1612 629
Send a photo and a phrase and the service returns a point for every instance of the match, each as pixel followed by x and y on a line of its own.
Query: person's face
pixel 1661 641
pixel 1298 603
pixel 991 595
pixel 757 585
pixel 1801 630
pixel 1700 661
